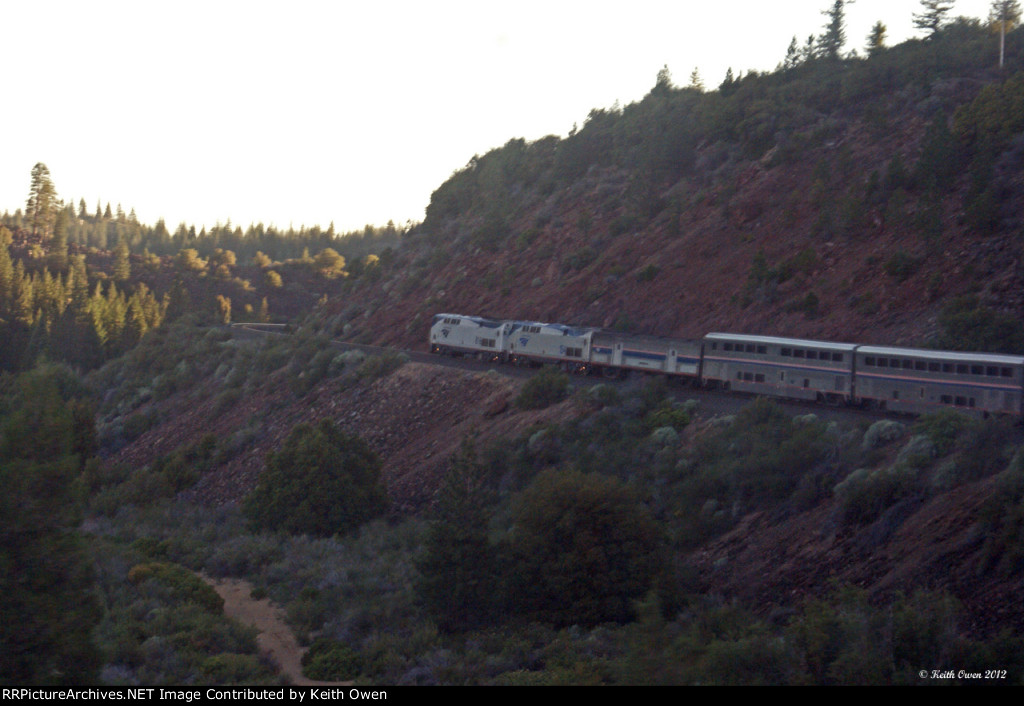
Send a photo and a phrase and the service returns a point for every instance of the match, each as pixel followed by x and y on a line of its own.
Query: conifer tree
pixel 122 263
pixel 42 204
pixel 793 56
pixel 932 15
pixel 876 40
pixel 832 41
pixel 1004 16
pixel 459 576
pixel 59 245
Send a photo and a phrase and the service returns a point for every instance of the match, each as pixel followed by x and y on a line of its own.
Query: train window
pixel 1006 372
pixel 883 362
pixel 782 376
pixel 714 346
pixel 895 394
pixel 798 353
pixel 970 402
pixel 992 371
pixel 750 348
pixel 977 370
pixel 934 368
pixel 894 362
pixel 727 347
pixel 946 399
pixel 920 365
pixel 961 369
pixel 759 378
pixel 960 402
pixel 739 376
pixel 785 352
pixel 869 361
pixel 807 383
pixel 812 355
pixel 837 357
pixel 763 350
pixel 922 393
pixel 908 365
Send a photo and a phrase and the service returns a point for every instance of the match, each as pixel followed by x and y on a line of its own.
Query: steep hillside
pixel 852 200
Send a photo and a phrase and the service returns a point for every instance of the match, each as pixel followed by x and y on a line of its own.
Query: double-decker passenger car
pixel 782 367
pixel 919 381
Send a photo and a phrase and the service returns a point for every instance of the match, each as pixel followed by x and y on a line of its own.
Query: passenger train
pixel 898 379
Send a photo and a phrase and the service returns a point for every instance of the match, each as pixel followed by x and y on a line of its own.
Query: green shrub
pixel 182 583
pixel 330 660
pixel 321 482
pixel 544 389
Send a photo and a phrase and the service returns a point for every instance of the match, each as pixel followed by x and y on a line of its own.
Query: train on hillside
pixel 909 380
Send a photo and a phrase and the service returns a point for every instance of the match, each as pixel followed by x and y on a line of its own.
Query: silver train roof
pixel 775 340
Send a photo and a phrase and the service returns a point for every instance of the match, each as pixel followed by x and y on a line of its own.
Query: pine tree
pixel 59 245
pixel 122 263
pixel 41 208
pixel 696 83
pixel 459 574
pixel 932 15
pixel 793 57
pixel 876 40
pixel 832 41
pixel 1004 16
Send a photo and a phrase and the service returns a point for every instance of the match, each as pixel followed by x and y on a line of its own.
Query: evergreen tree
pixel 1004 16
pixel 122 263
pixel 932 15
pixel 459 584
pixel 832 41
pixel 59 245
pixel 793 55
pixel 41 208
pixel 696 83
pixel 876 40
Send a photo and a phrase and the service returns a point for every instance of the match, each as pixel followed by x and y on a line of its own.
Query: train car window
pixel 739 376
pixel 798 353
pixel 748 376
pixel 869 361
pixel 895 394
pixel 1006 372
pixel 922 393
pixel 714 346
pixel 785 352
pixel 961 402
pixel 837 357
pixel 933 367
pixel 750 348
pixel 759 378
pixel 807 383
pixel 970 402
pixel 812 355
pixel 763 350
pixel 920 365
pixel 992 371
pixel 908 365
pixel 894 362
pixel 946 367
pixel 883 362
pixel 977 370
pixel 727 347
pixel 946 399
pixel 961 369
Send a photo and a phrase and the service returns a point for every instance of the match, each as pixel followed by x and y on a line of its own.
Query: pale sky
pixel 309 112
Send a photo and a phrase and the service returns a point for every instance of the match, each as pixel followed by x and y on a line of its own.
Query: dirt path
pixel 275 638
